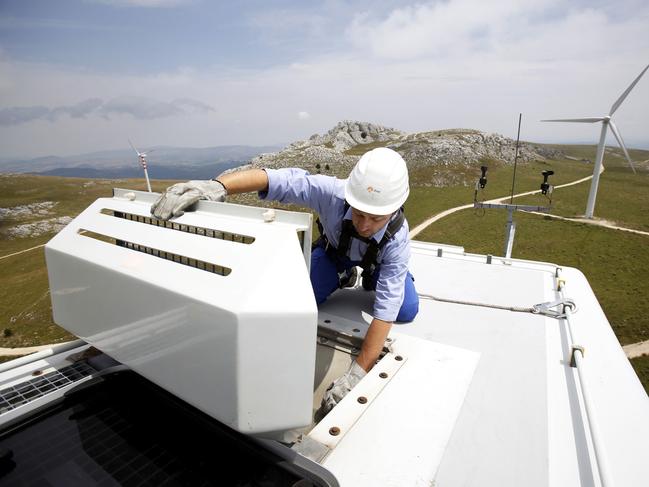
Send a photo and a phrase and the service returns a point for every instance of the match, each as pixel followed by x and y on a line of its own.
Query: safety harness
pixel 369 261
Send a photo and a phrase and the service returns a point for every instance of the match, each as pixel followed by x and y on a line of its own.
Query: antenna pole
pixel 511 208
pixel 520 115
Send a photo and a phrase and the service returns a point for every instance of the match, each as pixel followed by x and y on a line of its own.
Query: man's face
pixel 367 224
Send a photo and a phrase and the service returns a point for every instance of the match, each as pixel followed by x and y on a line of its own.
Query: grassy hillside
pixel 641 366
pixel 25 309
pixel 426 200
pixel 622 197
pixel 615 263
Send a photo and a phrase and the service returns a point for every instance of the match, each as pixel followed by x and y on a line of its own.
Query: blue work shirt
pixel 326 195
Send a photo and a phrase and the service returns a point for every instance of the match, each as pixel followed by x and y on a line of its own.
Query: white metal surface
pixel 482 397
pixel 618 409
pixel 399 437
pixel 240 347
pixel 523 420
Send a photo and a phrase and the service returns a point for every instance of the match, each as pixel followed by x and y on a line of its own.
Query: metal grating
pixel 19 394
pixel 179 259
pixel 206 232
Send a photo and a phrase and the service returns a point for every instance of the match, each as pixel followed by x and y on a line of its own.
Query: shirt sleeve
pixel 297 186
pixel 390 287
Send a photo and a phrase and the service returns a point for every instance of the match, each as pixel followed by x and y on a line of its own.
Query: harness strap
pixel 369 260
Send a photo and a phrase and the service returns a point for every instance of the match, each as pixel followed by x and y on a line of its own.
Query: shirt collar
pixel 379 234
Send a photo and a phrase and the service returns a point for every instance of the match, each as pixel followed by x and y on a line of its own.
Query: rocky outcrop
pixel 36 229
pixel 336 151
pixel 39 225
pixel 348 134
pixel 463 147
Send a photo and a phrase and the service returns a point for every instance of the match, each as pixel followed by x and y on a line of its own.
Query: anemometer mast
pixel 546 188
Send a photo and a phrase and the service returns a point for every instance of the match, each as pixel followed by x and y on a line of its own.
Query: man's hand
pixel 179 197
pixel 341 386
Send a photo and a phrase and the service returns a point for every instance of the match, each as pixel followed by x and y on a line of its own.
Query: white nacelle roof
pixel 226 321
pixel 487 396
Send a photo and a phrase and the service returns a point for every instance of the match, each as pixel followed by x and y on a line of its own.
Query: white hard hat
pixel 378 184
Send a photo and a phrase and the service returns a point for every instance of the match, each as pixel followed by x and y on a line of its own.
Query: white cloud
pixel 437 29
pixel 141 108
pixel 544 30
pixel 424 67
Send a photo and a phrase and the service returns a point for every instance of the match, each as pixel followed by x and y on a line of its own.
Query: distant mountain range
pixel 163 162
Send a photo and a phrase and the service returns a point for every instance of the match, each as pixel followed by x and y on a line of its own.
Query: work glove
pixel 341 386
pixel 177 198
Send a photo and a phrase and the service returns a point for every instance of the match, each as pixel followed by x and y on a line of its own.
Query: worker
pixel 361 223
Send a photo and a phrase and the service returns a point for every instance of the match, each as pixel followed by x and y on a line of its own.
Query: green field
pixel 616 263
pixel 641 366
pixel 425 201
pixel 25 309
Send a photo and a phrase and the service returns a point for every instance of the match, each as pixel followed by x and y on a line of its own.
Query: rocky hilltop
pixel 336 151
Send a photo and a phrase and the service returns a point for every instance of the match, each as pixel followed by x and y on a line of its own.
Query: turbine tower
pixel 141 156
pixel 606 123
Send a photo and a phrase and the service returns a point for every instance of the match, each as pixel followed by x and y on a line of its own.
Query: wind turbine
pixel 142 158
pixel 606 122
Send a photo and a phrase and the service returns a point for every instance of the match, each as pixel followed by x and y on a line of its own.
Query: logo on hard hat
pixel 371 189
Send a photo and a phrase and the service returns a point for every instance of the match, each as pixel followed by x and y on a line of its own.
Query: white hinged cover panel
pixel 216 306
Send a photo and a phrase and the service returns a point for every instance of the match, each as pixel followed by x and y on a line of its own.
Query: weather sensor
pixel 546 189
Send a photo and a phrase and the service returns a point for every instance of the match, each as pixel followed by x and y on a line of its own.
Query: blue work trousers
pixel 325 280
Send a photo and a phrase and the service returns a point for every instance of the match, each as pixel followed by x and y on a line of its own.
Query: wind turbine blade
pixel 584 120
pixel 618 136
pixel 136 151
pixel 619 101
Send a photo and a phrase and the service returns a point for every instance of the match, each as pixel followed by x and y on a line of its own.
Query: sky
pixel 86 75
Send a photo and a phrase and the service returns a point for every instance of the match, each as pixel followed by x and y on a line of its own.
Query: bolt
pixel 327 321
pixel 323 340
pixel 37 372
pixel 356 330
pixel 383 375
pixel 398 357
pixel 334 431
pixel 362 399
